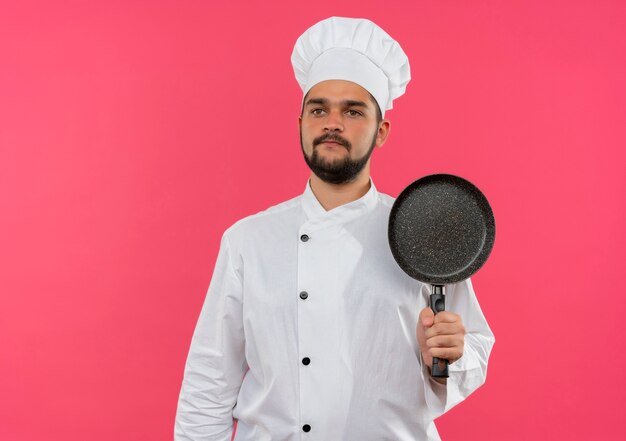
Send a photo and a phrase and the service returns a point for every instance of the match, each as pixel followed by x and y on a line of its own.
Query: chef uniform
pixel 308 328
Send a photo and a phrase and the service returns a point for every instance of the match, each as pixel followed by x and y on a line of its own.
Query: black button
pixel 306 361
pixel 304 295
pixel 304 238
pixel 306 428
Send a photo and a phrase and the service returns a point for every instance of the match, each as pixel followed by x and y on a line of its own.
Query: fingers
pixel 445 341
pixel 449 347
pixel 445 337
pixel 426 317
pixel 447 317
pixel 445 329
pixel 450 354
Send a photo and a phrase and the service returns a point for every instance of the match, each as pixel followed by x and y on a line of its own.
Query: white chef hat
pixel 352 49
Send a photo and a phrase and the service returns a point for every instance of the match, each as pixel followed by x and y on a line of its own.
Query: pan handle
pixel 439 368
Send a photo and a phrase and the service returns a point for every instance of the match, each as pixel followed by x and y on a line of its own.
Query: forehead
pixel 339 90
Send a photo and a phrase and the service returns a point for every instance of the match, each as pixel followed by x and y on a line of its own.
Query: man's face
pixel 339 130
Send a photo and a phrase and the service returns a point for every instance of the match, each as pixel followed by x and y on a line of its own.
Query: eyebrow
pixel 325 102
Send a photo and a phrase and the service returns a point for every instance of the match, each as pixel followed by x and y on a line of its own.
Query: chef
pixel 310 330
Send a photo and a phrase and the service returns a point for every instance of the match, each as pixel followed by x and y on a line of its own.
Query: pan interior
pixel 442 230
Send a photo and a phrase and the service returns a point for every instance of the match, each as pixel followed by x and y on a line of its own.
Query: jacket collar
pixel 316 214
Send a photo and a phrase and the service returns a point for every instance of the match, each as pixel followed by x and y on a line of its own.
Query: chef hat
pixel 352 49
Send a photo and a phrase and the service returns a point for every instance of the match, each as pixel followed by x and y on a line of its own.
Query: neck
pixel 334 195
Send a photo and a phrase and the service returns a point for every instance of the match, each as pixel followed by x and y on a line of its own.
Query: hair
pixel 379 114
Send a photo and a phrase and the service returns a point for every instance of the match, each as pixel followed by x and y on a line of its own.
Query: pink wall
pixel 133 133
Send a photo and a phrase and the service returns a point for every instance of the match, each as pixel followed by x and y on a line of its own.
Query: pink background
pixel 133 133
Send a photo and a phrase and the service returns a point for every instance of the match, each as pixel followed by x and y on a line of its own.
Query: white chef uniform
pixel 308 333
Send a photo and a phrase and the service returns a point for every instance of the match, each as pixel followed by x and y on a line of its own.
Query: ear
pixel 300 122
pixel 383 132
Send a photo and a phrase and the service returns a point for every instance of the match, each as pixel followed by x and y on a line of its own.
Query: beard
pixel 338 171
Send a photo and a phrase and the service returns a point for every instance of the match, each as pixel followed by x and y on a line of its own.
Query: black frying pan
pixel 441 231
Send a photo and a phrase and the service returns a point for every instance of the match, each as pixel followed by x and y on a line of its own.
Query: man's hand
pixel 440 335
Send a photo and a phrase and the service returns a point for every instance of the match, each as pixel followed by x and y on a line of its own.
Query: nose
pixel 334 122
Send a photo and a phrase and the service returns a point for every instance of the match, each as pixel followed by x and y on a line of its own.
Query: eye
pixel 353 113
pixel 317 112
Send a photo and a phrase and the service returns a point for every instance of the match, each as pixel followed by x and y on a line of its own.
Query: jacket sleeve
pixel 469 372
pixel 216 362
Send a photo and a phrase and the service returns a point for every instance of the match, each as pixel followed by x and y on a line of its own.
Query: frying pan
pixel 441 231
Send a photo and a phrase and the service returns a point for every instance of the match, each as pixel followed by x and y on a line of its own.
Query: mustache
pixel 334 138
